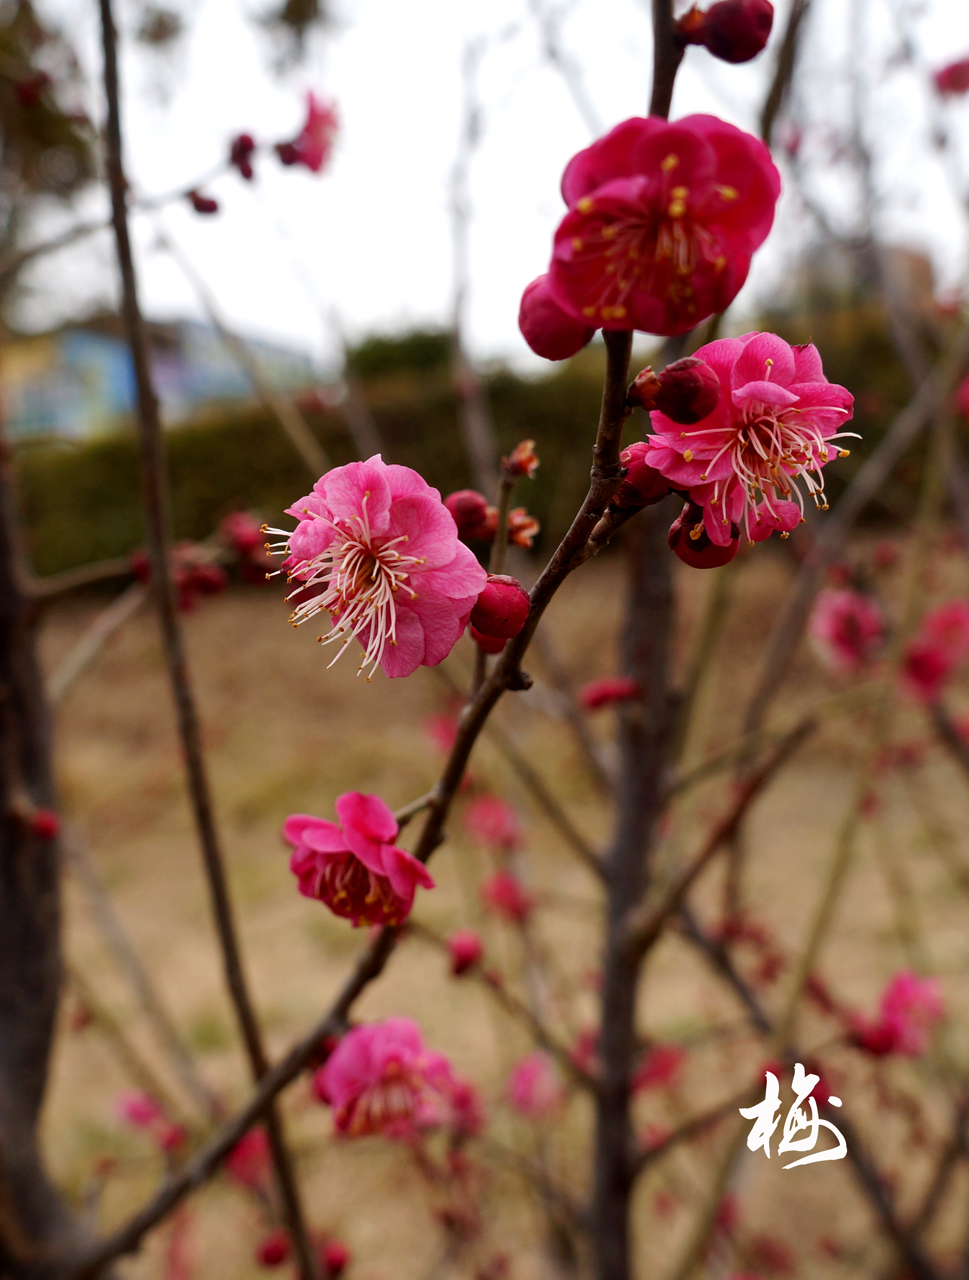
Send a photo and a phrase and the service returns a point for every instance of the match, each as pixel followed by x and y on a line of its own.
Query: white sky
pixel 371 236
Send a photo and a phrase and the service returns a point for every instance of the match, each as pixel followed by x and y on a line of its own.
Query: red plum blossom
pixel 953 79
pixel 504 894
pixel 732 30
pixel 910 1005
pixel 493 822
pixel 381 1078
pixel 847 628
pixel 465 949
pixel 642 485
pixel 662 222
pixel 355 868
pixel 776 423
pixel 660 1068
pixel 473 515
pixel 377 549
pixel 501 608
pixel 685 391
pixel 249 1163
pixel 690 540
pixel 932 655
pixel 314 144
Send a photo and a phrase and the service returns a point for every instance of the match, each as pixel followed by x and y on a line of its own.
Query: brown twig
pixel 783 70
pixel 644 925
pixel 159 541
pixel 93 639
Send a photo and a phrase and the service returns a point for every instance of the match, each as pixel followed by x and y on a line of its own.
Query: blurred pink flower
pixel 660 1068
pixel 962 397
pixel 607 690
pixel 465 949
pixel 378 550
pixel 382 1079
pixel 355 868
pixel 242 532
pixel 932 655
pixel 534 1088
pixel 442 729
pixel 139 1109
pixel 953 79
pixel 847 628
pixel 775 424
pixel 314 144
pixel 493 822
pixel 910 1005
pixel 947 625
pixel 662 222
pixel 504 894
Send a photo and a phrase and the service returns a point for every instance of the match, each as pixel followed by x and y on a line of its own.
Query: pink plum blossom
pixel 608 690
pixel 465 949
pixel 314 144
pixel 248 1163
pixel 493 822
pixel 377 549
pixel 381 1078
pixel 662 222
pixel 355 868
pixel 847 628
pixel 139 1109
pixel 931 656
pixel 909 1007
pixel 953 79
pixel 947 625
pixel 775 424
pixel 533 1087
pixel 551 332
pixel 504 894
pixel 660 1068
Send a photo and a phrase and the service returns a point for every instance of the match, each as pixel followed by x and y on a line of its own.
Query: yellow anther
pixel 669 163
pixel 844 453
pixel 728 193
pixel 585 205
pixel 704 476
pixel 680 193
pixel 610 232
pixel 577 243
pixel 676 209
pixel 588 312
pixel 784 534
pixel 688 455
pixel 720 263
pixel 696 531
pixel 768 363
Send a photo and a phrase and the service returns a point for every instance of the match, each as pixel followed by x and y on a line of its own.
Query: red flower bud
pixel 522 461
pixel 643 484
pixel 487 644
pixel 686 391
pixel 953 79
pixel 548 330
pixel 45 824
pixel 608 689
pixel 273 1250
pixel 522 528
pixel 690 541
pixel 203 204
pixel 472 514
pixel 240 154
pixel 734 30
pixel 334 1257
pixel 28 92
pixel 502 607
pixel 465 950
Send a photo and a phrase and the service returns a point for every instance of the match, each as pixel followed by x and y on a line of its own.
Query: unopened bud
pixel 522 461
pixel 643 484
pixel 273 1250
pixel 522 528
pixel 334 1256
pixel 686 391
pixel 550 332
pixel 473 515
pixel 502 607
pixel 733 30
pixel 45 824
pixel 203 204
pixel 240 154
pixel 689 540
pixel 487 644
pixel 465 950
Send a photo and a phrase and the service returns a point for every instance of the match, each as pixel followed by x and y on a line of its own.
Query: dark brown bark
pixel 34 1223
pixel 156 499
pixel 644 736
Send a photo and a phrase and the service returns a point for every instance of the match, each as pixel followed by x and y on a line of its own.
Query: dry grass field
pixel 287 735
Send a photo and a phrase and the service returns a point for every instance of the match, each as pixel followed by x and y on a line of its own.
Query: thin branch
pixel 90 643
pixel 493 983
pixel 54 585
pixel 719 958
pixel 159 542
pixel 783 70
pixel 645 924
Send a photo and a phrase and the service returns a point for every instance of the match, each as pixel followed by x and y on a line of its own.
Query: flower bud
pixel 953 79
pixel 643 484
pixel 472 514
pixel 273 1250
pixel 607 690
pixel 686 391
pixel 45 824
pixel 550 332
pixel 465 950
pixel 522 528
pixel 522 461
pixel 502 607
pixel 240 154
pixel 334 1255
pixel 733 30
pixel 203 204
pixel 487 644
pixel 689 540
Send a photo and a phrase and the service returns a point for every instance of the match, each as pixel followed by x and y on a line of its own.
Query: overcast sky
pixel 371 236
